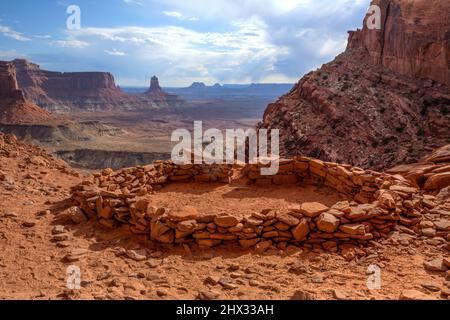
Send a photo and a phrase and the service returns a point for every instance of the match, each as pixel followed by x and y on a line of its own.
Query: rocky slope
pixel 384 101
pixel 63 92
pixel 14 108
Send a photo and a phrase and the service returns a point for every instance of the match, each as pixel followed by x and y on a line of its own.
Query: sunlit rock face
pixel 63 92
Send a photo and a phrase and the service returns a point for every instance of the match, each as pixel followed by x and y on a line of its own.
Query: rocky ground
pixel 41 236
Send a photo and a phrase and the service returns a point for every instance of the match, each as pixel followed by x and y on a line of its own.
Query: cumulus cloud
pixel 245 41
pixel 180 53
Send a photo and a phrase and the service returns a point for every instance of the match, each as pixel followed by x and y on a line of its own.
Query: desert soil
pixel 115 264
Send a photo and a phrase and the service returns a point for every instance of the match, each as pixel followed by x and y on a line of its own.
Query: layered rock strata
pixel 64 92
pixel 14 108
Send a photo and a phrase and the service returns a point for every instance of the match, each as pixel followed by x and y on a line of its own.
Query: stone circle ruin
pixel 381 203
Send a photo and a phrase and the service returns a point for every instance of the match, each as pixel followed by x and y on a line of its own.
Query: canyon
pixel 97 124
pixel 363 186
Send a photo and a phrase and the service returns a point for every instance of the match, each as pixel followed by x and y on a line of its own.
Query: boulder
pixel 438 181
pixel 226 221
pixel 312 209
pixel 183 214
pixel 301 230
pixel 435 265
pixel 288 219
pixel 353 229
pixel 327 223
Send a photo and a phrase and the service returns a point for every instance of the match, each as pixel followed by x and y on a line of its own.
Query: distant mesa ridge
pixel 62 92
pixel 199 90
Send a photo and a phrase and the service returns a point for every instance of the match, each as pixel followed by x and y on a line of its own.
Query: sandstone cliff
pixel 62 92
pixel 414 40
pixel 14 108
pixel 384 101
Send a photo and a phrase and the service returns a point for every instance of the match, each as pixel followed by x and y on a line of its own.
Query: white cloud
pixel 173 14
pixel 181 53
pixel 8 32
pixel 115 52
pixel 179 16
pixel 245 41
pixel 42 36
pixel 71 43
pixel 226 10
pixel 332 47
pixel 136 2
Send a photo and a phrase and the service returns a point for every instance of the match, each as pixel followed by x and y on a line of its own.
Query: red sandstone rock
pixel 14 108
pixel 380 103
pixel 301 230
pixel 413 40
pixel 327 223
pixel 61 92
pixel 312 209
pixel 438 181
pixel 226 221
pixel 183 214
pixel 432 173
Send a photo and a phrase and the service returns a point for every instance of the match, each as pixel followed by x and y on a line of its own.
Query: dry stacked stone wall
pixel 381 203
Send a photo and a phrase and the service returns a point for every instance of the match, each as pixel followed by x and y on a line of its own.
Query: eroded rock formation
pixel 64 91
pixel 14 108
pixel 383 102
pixel 162 98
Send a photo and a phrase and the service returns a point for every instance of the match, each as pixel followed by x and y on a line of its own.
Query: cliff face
pixel 14 108
pixel 384 101
pixel 63 92
pixel 414 40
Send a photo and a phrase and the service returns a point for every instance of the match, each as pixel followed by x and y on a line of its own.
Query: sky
pixel 181 41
